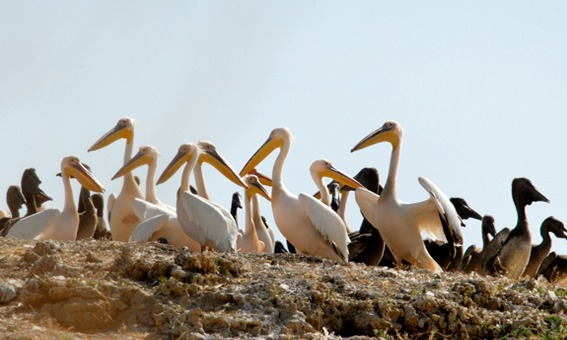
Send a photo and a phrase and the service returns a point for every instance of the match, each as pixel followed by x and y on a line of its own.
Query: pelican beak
pixel 41 196
pixel 269 145
pixel 176 163
pixel 215 159
pixel 138 160
pixel 339 176
pixel 257 188
pixel 383 134
pixel 119 131
pixel 84 176
pixel 264 180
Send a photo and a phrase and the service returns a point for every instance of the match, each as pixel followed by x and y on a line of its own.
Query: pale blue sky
pixel 480 89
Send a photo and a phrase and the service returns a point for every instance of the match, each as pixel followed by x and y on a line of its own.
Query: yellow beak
pixel 119 131
pixel 81 174
pixel 383 134
pixel 216 160
pixel 138 160
pixel 269 145
pixel 264 180
pixel 176 163
pixel 257 188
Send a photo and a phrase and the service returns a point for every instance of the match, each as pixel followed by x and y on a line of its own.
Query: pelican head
pixel 185 154
pixel 123 129
pixel 71 167
pixel 146 154
pixel 210 155
pixel 255 187
pixel 278 137
pixel 488 225
pixel 390 132
pixel 323 168
pixel 524 192
pixel 556 227
pixel 264 180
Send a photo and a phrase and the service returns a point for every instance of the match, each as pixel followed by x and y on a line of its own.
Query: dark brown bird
pixel 540 251
pixel 101 232
pixel 33 194
pixel 87 215
pixel 510 255
pixel 15 199
pixel 448 255
pixel 472 259
pixel 553 267
pixel 367 246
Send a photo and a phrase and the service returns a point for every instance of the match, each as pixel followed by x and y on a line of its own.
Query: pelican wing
pixel 367 202
pixel 219 229
pixel 110 204
pixel 146 229
pixel 144 209
pixel 327 222
pixel 494 246
pixel 446 211
pixel 37 226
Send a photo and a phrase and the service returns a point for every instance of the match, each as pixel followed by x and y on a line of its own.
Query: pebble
pixel 7 293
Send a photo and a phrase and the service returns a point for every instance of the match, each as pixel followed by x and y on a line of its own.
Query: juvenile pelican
pixel 122 217
pixel 401 224
pixel 33 194
pixel 53 223
pixel 540 251
pixel 208 223
pixel 311 226
pixel 249 242
pixel 509 255
pixel 472 259
pixel 15 200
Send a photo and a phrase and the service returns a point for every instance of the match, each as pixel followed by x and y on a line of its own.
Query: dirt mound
pixel 105 289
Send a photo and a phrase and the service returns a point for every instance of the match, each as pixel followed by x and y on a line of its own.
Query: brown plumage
pixel 540 251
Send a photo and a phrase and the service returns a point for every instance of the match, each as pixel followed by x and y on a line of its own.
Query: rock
pixel 7 293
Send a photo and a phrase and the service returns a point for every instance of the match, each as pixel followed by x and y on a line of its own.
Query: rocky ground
pixel 104 289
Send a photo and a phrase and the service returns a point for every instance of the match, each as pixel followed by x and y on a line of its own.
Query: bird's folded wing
pixel 326 221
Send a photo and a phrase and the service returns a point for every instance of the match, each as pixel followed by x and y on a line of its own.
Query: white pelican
pixel 122 219
pixel 311 226
pixel 401 224
pixel 158 220
pixel 208 223
pixel 265 234
pixel 147 155
pixel 53 223
pixel 249 242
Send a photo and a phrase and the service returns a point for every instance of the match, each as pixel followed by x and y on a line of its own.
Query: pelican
pixel 401 224
pixel 33 194
pixel 208 223
pixel 53 223
pixel 553 267
pixel 441 252
pixel 147 155
pixel 15 200
pixel 158 220
pixel 472 259
pixel 311 226
pixel 249 242
pixel 100 232
pixel 265 234
pixel 540 251
pixel 366 246
pixel 236 203
pixel 87 215
pixel 509 251
pixel 122 218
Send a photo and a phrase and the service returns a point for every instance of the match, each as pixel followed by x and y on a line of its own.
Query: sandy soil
pixel 105 290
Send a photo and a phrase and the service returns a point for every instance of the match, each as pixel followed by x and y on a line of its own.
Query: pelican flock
pixel 426 234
